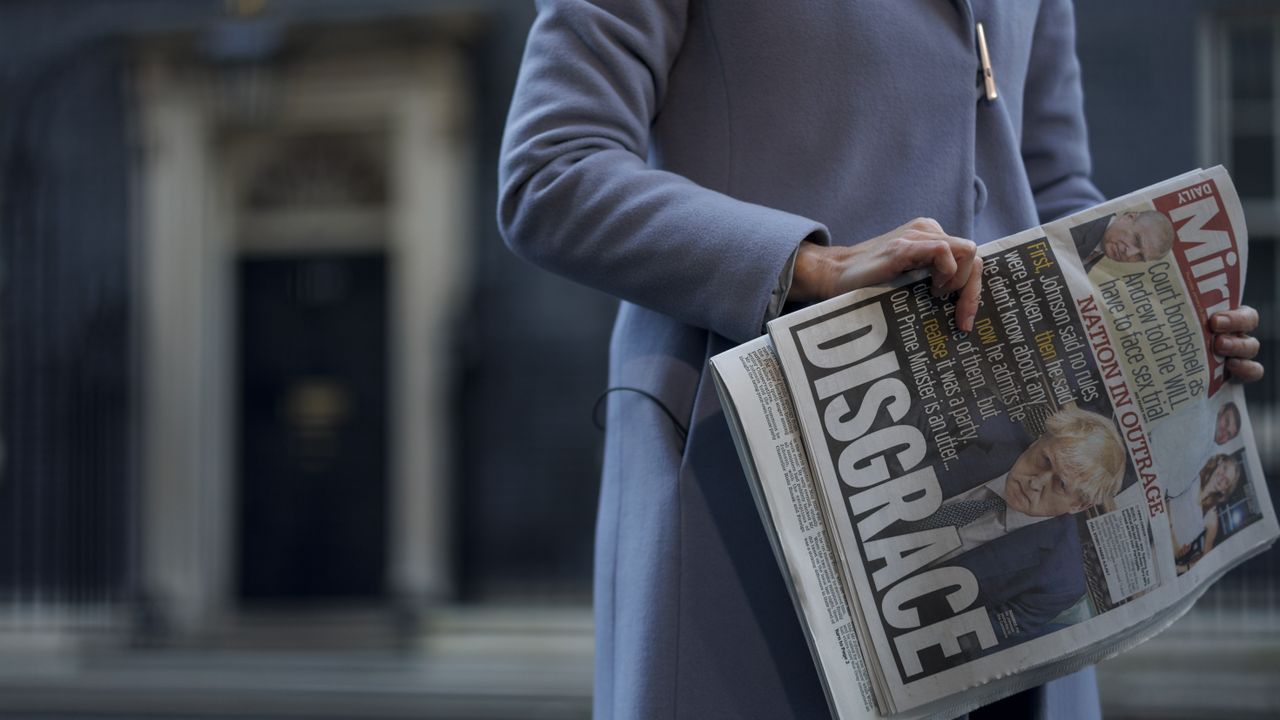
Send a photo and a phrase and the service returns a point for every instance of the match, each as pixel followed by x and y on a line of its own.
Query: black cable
pixel 595 409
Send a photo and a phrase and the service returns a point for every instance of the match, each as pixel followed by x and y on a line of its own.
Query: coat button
pixel 979 195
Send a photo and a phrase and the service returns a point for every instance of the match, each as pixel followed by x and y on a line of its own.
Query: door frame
pixel 187 245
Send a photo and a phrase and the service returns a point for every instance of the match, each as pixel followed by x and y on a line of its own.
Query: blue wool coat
pixel 673 153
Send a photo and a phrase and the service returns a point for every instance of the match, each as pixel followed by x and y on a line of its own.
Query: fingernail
pixel 1219 323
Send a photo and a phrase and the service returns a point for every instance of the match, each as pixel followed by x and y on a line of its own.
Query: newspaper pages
pixel 762 410
pixel 1007 505
pixel 758 406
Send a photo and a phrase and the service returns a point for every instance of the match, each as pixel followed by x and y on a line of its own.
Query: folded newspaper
pixel 961 515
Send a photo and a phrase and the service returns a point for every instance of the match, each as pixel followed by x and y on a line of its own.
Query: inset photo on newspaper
pixel 1113 243
pixel 1210 506
pixel 1058 538
pixel 1226 424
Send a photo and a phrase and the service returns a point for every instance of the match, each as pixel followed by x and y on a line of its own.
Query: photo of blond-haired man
pixel 1132 236
pixel 1018 531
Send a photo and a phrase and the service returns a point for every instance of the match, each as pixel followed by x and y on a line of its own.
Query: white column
pixel 183 264
pixel 430 268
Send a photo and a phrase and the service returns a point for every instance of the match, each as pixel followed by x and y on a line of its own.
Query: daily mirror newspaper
pixel 964 515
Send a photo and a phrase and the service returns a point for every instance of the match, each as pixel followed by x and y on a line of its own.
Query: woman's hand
pixel 1231 339
pixel 824 272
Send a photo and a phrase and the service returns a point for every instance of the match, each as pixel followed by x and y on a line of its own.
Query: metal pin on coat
pixel 988 77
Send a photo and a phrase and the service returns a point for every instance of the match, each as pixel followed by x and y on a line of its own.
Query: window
pixel 1243 124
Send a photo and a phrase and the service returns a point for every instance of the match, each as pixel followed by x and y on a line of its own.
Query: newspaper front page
pixel 762 420
pixel 1038 492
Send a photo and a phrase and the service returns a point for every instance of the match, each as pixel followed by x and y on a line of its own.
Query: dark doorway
pixel 313 428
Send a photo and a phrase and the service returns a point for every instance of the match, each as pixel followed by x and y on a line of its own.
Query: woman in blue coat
pixel 706 161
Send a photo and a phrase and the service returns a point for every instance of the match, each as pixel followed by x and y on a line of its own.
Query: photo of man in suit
pixel 1018 532
pixel 1134 236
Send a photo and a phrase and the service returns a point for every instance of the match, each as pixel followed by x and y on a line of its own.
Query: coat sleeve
pixel 577 196
pixel 1055 145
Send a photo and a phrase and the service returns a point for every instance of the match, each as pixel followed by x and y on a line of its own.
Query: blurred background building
pixel 286 432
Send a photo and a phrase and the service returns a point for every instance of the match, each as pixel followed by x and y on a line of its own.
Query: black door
pixel 313 429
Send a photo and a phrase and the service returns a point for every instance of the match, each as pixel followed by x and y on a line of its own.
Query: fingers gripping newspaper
pixel 965 515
